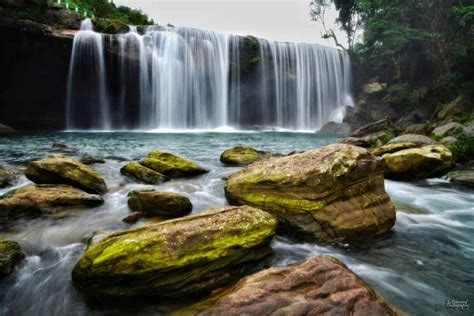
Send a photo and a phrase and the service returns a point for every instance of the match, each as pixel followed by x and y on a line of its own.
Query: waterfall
pixel 87 104
pixel 185 78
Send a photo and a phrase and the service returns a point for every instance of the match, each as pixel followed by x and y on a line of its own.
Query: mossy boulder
pixel 332 193
pixel 391 148
pixel 321 285
pixel 243 155
pixel 63 170
pixel 171 165
pixel 137 171
pixel 179 257
pixel 10 256
pixel 416 163
pixel 152 203
pixel 35 200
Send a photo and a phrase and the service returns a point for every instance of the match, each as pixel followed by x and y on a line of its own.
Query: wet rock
pixel 322 285
pixel 335 128
pixel 133 217
pixel 412 138
pixel 171 165
pixel 90 160
pixel 137 171
pixel 332 193
pixel 415 163
pixel 153 203
pixel 243 155
pixel 34 200
pixel 63 170
pixel 179 257
pixel 463 176
pixel 4 129
pixel 449 140
pixel 10 256
pixel 447 129
pixel 8 176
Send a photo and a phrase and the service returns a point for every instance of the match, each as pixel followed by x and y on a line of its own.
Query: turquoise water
pixel 426 260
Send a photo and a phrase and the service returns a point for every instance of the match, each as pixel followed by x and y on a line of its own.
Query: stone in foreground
pixel 171 165
pixel 332 193
pixel 179 257
pixel 152 203
pixel 416 163
pixel 243 155
pixel 10 255
pixel 63 170
pixel 35 200
pixel 135 170
pixel 322 285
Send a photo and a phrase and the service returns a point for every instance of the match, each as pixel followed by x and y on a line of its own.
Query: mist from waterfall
pixel 184 78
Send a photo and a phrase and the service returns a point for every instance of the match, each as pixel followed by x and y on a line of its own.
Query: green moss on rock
pixel 177 257
pixel 10 255
pixel 154 203
pixel 242 155
pixel 390 148
pixel 137 171
pixel 171 165
pixel 63 170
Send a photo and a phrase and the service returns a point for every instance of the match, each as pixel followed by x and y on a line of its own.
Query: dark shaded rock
pixel 34 200
pixel 133 217
pixel 413 138
pixel 332 193
pixel 153 203
pixel 171 165
pixel 10 256
pixel 179 257
pixel 322 285
pixel 335 128
pixel 378 126
pixel 63 170
pixel 454 109
pixel 60 146
pixel 90 160
pixel 370 135
pixel 420 128
pixel 137 171
pixel 243 155
pixel 6 129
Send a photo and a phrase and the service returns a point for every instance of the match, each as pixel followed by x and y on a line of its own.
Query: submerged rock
pixel 63 170
pixel 153 203
pixel 171 165
pixel 322 285
pixel 135 170
pixel 242 155
pixel 415 163
pixel 177 257
pixel 412 138
pixel 89 160
pixel 10 256
pixel 332 193
pixel 44 199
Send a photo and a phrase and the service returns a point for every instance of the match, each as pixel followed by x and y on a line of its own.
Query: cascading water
pixel 184 78
pixel 87 105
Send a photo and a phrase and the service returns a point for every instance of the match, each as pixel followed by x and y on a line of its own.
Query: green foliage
pixel 463 149
pixel 387 137
pixel 251 54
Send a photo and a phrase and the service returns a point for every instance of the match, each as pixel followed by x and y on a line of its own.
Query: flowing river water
pixel 426 260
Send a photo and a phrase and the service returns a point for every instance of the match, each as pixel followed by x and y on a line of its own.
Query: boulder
pixel 469 130
pixel 322 285
pixel 243 155
pixel 412 138
pixel 10 256
pixel 373 134
pixel 463 176
pixel 171 165
pixel 448 140
pixel 133 217
pixel 135 170
pixel 60 146
pixel 179 257
pixel 335 128
pixel 63 170
pixel 7 176
pixel 90 160
pixel 381 125
pixel 420 128
pixel 153 203
pixel 447 129
pixel 415 163
pixel 391 148
pixel 4 129
pixel 36 200
pixel 454 109
pixel 332 193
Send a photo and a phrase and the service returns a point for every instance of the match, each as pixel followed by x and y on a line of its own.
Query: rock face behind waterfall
pixel 177 257
pixel 33 200
pixel 63 170
pixel 171 165
pixel 332 193
pixel 321 285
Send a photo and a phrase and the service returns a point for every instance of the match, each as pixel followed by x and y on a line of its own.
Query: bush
pixel 463 149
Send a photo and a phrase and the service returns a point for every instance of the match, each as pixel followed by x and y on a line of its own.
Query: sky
pixel 277 20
